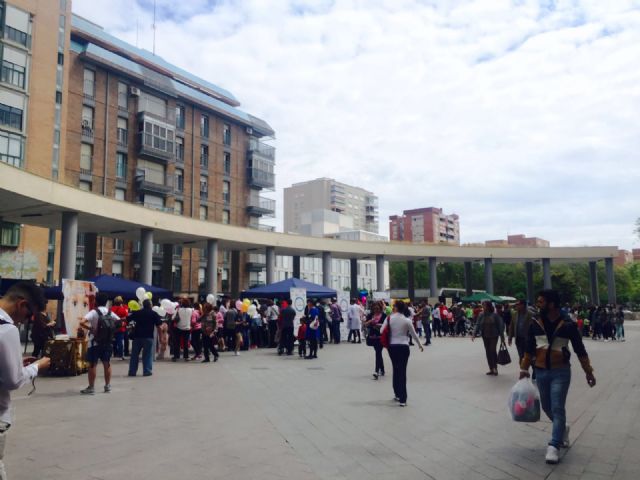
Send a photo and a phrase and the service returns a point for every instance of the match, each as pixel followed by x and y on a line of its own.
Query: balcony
pixel 152 185
pixel 123 138
pixel 87 131
pixel 159 208
pixel 256 262
pixel 204 160
pixel 261 206
pixel 260 165
pixel 260 177
pixel 262 149
pixel 156 140
pixel 17 36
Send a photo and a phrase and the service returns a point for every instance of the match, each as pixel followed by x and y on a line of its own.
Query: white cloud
pixel 521 118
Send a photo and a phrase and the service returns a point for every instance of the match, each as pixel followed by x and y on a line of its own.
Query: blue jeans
pixel 146 345
pixel 118 345
pixel 554 386
pixel 619 331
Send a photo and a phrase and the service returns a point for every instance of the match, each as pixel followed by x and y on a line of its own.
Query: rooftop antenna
pixel 154 27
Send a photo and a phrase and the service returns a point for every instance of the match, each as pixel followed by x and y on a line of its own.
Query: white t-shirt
pixel 92 318
pixel 184 318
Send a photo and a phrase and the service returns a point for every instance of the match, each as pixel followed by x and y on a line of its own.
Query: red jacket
pixel 302 331
pixel 122 311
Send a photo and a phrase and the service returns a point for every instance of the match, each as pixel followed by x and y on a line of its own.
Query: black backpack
pixel 106 330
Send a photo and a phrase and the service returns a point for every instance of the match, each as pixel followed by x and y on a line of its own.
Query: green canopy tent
pixel 481 297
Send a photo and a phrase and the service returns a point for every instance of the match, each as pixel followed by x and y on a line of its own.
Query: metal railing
pixel 89 89
pixel 17 36
pixel 256 146
pixel 87 130
pixel 261 178
pixel 123 137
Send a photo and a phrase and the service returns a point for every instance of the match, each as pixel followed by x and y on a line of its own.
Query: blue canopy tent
pixel 114 286
pixel 282 290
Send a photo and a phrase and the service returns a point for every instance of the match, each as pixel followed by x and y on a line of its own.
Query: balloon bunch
pixel 168 306
pixel 211 299
pixel 243 305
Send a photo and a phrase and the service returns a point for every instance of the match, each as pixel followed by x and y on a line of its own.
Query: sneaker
pixel 552 455
pixel 206 360
pixel 107 389
pixel 237 354
pixel 381 373
pixel 396 399
pixel 403 404
pixel 375 375
pixel 565 440
pixel 88 391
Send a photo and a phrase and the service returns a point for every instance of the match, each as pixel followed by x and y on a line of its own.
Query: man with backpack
pixel 101 325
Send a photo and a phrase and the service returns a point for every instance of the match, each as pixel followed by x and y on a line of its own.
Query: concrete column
pixel 353 270
pixel 433 277
pixel 488 275
pixel 593 280
pixel 546 273
pixel 146 255
pixel 326 269
pixel 411 280
pixel 611 281
pixel 212 266
pixel 296 266
pixel 68 245
pixel 234 281
pixel 528 266
pixel 271 264
pixel 167 266
pixel 467 279
pixel 380 287
pixel 90 254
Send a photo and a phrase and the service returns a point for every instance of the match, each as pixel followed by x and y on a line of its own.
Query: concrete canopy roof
pixel 33 200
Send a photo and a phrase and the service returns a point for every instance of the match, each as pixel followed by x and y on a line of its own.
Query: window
pixel 10 116
pixel 89 88
pixel 60 58
pixel 58 99
pixel 153 172
pixel 10 234
pixel 87 122
pixel 227 163
pixel 180 149
pixel 13 74
pixel 179 180
pixel 152 104
pixel 204 156
pixel 118 245
pixel 157 136
pixel 123 132
pixel 11 149
pixel 116 269
pixel 226 134
pixel 180 117
pixel 120 194
pixel 204 211
pixel 178 207
pixel 203 187
pixel 177 278
pixel 84 185
pixel 226 217
pixel 86 158
pixel 121 166
pixel 202 273
pixel 123 96
pixel 17 36
pixel 226 192
pixel 204 126
pixel 153 201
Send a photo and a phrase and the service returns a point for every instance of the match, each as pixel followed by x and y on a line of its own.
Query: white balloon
pixel 252 310
pixel 140 293
pixel 165 302
pixel 161 311
pixel 211 299
pixel 170 309
pixel 156 308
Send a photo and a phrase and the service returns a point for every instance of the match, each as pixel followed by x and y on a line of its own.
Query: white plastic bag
pixel 524 401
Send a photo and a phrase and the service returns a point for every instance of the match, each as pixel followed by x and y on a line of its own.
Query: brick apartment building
pixel 128 125
pixel 425 225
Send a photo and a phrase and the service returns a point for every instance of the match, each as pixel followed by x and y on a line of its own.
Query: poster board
pixel 298 302
pixel 343 299
pixel 79 299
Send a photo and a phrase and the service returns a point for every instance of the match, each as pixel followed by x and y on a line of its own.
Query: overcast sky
pixel 520 116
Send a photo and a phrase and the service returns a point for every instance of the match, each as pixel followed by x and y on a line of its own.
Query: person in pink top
pixel 196 331
pixel 219 315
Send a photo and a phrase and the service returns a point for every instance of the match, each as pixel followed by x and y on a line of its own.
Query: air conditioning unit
pixel 98 263
pixel 250 130
pixel 220 269
pixel 134 91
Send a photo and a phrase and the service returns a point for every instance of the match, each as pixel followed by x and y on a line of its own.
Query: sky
pixel 520 116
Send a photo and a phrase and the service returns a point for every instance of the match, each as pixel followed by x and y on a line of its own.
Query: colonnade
pixel 69 246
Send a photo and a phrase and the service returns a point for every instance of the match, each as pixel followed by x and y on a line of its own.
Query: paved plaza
pixel 260 416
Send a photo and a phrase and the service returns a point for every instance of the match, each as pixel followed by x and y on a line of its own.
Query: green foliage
pixel 572 280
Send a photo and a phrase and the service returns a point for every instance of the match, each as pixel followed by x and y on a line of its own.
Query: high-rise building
pixel 128 125
pixel 327 208
pixel 425 225
pixel 328 194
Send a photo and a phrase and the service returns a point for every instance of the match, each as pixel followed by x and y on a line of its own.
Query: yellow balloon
pixel 149 295
pixel 133 306
pixel 244 308
pixel 246 302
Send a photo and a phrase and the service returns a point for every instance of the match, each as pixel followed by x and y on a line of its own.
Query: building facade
pixel 518 241
pixel 326 208
pixel 425 225
pixel 328 194
pixel 128 125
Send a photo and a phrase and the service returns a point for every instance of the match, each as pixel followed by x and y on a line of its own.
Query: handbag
pixel 385 334
pixel 503 355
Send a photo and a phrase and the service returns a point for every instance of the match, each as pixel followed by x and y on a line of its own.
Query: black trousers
pixel 437 327
pixel 302 347
pixel 196 342
pixel 335 328
pixel 209 346
pixel 177 336
pixel 399 358
pixel 521 345
pixel 273 327
pixel 313 347
pixel 379 360
pixel 426 326
pixel 286 340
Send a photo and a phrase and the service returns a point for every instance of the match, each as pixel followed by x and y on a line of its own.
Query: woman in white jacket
pixel 401 328
pixel 182 330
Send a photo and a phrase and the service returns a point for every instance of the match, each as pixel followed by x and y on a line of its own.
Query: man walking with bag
pixel 547 351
